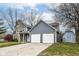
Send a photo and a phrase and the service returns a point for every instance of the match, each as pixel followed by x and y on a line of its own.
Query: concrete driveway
pixel 28 49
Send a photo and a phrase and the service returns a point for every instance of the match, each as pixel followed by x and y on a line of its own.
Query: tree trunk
pixel 77 31
pixel 76 36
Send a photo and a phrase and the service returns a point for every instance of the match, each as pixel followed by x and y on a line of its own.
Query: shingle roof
pixel 24 24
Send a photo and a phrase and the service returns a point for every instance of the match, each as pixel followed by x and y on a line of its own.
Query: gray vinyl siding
pixel 42 28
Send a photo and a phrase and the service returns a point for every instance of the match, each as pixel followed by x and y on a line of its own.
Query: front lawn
pixel 60 49
pixel 5 44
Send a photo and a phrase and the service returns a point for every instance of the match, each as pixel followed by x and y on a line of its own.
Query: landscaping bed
pixel 61 49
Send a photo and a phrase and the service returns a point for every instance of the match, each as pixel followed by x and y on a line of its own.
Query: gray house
pixel 40 33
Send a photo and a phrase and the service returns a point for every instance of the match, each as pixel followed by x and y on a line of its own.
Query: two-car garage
pixel 42 33
pixel 42 38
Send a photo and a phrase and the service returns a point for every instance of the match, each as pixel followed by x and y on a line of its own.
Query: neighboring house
pixel 40 33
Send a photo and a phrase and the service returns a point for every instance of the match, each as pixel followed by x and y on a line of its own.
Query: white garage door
pixel 35 38
pixel 48 38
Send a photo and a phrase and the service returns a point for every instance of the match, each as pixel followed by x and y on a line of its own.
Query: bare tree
pixel 10 16
pixel 32 17
pixel 68 13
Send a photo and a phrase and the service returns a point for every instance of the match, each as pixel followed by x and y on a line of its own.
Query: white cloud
pixel 48 17
pixel 32 4
pixel 25 4
pixel 20 5
pixel 9 31
pixel 52 5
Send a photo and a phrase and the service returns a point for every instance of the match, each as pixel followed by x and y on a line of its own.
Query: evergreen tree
pixel 2 27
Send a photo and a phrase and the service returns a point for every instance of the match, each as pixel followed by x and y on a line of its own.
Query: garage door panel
pixel 35 38
pixel 48 38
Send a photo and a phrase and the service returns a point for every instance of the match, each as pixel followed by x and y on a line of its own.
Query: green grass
pixel 5 44
pixel 61 49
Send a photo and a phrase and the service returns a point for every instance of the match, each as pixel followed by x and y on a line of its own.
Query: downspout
pixel 54 37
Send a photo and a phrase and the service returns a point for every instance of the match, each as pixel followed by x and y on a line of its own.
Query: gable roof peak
pixel 44 23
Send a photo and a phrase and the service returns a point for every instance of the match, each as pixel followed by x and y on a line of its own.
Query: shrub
pixel 15 40
pixel 8 37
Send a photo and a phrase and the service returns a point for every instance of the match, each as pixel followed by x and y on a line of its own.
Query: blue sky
pixel 41 7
